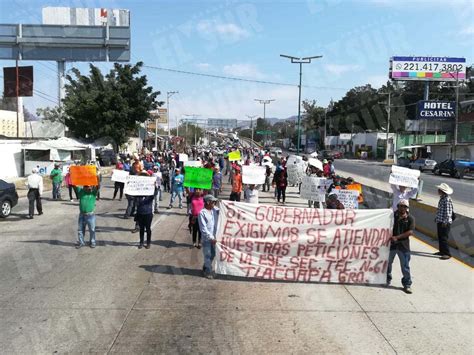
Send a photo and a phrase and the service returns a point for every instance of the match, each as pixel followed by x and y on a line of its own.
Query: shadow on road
pixel 170 244
pixel 62 243
pixel 426 255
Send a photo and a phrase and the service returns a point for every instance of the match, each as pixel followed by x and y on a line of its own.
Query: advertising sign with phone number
pixel 428 68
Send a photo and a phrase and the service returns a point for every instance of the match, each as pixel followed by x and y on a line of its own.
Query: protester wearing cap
pixel 208 220
pixel 57 177
pixel 333 203
pixel 444 219
pixel 403 227
pixel 216 182
pixel 35 190
pixel 177 188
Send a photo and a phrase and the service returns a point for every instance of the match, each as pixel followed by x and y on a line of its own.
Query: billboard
pixel 428 68
pixel 25 81
pixel 436 110
pixel 160 115
pixel 226 123
pixel 85 16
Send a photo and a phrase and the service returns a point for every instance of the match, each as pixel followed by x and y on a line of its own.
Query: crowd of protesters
pixel 169 173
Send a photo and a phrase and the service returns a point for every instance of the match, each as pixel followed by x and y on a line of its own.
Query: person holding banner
pixel 197 204
pixel 87 199
pixel 177 189
pixel 403 228
pixel 208 221
pixel 118 185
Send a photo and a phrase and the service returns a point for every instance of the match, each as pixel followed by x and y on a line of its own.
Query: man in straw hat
pixel 444 219
pixel 403 228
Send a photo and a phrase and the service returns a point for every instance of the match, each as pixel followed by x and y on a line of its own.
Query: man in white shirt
pixel 35 190
pixel 251 195
pixel 208 219
pixel 402 193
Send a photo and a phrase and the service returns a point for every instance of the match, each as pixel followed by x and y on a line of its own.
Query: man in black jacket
pixel 403 227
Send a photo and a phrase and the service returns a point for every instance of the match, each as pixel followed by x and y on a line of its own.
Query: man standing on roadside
pixel 444 219
pixel 208 218
pixel 403 228
pixel 35 190
pixel 87 197
pixel 57 177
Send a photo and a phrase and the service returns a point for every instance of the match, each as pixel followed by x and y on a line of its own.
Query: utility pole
pixel 388 109
pixel 456 117
pixel 300 61
pixel 265 103
pixel 168 95
pixel 251 123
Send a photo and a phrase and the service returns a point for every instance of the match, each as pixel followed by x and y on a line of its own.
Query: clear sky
pixel 245 38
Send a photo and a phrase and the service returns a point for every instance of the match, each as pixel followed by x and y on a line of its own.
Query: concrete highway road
pixel 116 298
pixel 463 188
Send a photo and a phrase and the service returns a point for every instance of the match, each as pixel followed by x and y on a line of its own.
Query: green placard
pixel 198 178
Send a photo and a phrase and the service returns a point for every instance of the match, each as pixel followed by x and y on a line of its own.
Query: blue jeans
pixel 56 190
pixel 404 257
pixel 89 220
pixel 209 252
pixel 178 193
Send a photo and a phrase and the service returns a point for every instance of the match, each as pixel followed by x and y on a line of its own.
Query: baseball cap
pixel 210 198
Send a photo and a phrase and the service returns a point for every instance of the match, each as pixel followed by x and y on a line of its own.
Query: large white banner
pixel 253 174
pixel 295 172
pixel 347 197
pixel 303 244
pixel 119 175
pixel 140 185
pixel 404 177
pixel 313 188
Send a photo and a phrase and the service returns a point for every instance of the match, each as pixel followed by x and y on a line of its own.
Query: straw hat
pixel 445 188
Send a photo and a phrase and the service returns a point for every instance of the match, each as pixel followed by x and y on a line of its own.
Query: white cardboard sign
pixel 404 177
pixel 140 185
pixel 193 163
pixel 295 172
pixel 347 197
pixel 312 189
pixel 183 157
pixel 253 174
pixel 119 175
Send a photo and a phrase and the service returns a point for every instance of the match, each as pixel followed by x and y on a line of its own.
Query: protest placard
pixel 183 157
pixel 295 172
pixel 198 178
pixel 316 163
pixel 83 175
pixel 292 159
pixel 136 185
pixel 311 189
pixel 404 177
pixel 65 169
pixel 253 174
pixel 303 244
pixel 119 175
pixel 235 155
pixel 347 197
pixel 193 163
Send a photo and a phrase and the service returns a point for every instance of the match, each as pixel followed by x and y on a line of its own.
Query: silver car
pixel 423 164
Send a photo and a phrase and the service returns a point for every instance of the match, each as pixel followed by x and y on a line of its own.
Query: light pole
pixel 265 103
pixel 300 61
pixel 251 123
pixel 456 114
pixel 168 95
pixel 388 109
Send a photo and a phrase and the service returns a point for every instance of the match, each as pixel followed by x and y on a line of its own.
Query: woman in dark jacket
pixel 280 182
pixel 144 217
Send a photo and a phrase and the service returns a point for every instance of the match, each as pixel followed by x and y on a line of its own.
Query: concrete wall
pixel 462 230
pixel 11 159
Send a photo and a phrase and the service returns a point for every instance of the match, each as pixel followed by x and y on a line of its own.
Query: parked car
pixel 107 157
pixel 423 164
pixel 330 154
pixel 8 198
pixel 403 162
pixel 455 168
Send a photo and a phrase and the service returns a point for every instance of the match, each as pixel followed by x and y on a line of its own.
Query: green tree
pixel 53 114
pixel 261 125
pixel 108 106
pixel 313 116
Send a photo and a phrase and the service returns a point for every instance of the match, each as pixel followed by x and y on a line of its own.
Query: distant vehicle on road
pixel 292 149
pixel 107 157
pixel 330 154
pixel 423 164
pixel 8 198
pixel 403 162
pixel 455 168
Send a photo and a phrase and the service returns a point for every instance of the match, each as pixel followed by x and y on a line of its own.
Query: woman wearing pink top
pixel 197 204
pixel 67 180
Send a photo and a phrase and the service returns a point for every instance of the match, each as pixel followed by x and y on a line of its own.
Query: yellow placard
pixel 235 155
